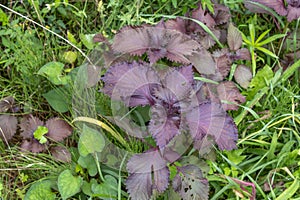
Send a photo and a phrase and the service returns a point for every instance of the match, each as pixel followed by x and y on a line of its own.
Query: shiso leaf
pixel 277 5
pixel 243 76
pixel 8 127
pixel 28 125
pixel 131 83
pixel 210 119
pixel 234 38
pixel 163 127
pixel 293 12
pixel 147 171
pixel 228 92
pixel 157 42
pixel 190 184
pixel 58 129
pixel 61 154
pixel 6 103
pixel 32 145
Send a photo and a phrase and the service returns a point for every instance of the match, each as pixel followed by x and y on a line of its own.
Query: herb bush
pixel 177 73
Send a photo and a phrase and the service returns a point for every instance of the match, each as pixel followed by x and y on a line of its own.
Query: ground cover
pixel 149 99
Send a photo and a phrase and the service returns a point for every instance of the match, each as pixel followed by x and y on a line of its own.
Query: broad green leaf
pixel 53 72
pixel 58 100
pixel 87 187
pixel 70 56
pixel 260 80
pixel 90 141
pixel 290 191
pixel 41 191
pixel 89 163
pixel 107 189
pixel 68 185
pixel 87 40
pixel 39 134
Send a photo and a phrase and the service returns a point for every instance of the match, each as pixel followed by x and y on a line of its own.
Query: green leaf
pixel 290 191
pixel 90 141
pixel 3 18
pixel 68 185
pixel 107 189
pixel 262 36
pixel 270 39
pixel 290 71
pixel 40 190
pixel 235 156
pixel 57 100
pixel 87 40
pixel 88 162
pixel 266 51
pixel 53 72
pixel 71 38
pixel 39 134
pixel 174 3
pixel 70 56
pixel 260 80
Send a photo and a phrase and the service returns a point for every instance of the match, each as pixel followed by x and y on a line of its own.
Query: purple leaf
pixel 177 24
pixel 177 84
pixel 131 82
pixel 293 12
pixel 32 145
pixel 203 16
pixel 242 54
pixel 223 64
pixel 58 129
pixel 207 41
pixel 28 125
pixel 147 171
pixel 8 127
pixel 277 5
pixel 203 62
pixel 190 184
pixel 211 119
pixel 229 92
pixel 294 3
pixel 61 154
pixel 6 104
pixel 157 42
pixel 243 76
pixel 164 124
pixel 234 38
pixel 222 14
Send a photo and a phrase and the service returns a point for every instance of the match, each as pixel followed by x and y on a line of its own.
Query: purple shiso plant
pixel 182 108
pixel 290 9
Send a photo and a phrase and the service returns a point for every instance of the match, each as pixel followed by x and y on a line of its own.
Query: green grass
pixel 268 153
